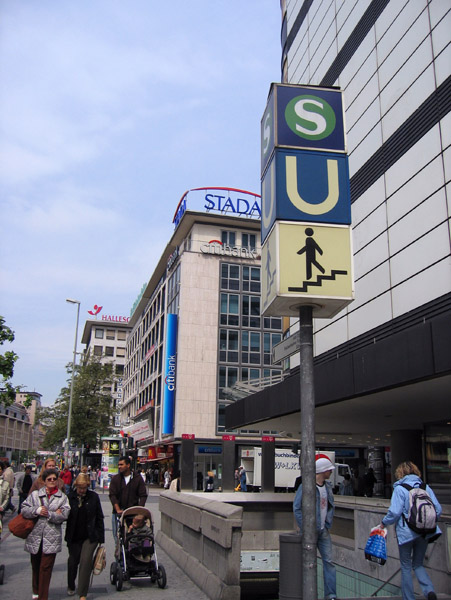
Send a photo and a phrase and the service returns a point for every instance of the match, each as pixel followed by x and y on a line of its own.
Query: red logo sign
pixel 188 436
pixel 95 311
pixel 268 438
pixel 228 438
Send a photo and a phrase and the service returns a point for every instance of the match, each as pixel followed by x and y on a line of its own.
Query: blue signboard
pixel 299 116
pixel 306 186
pixel 170 369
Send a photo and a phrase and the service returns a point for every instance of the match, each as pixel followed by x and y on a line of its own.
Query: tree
pixel 92 406
pixel 7 362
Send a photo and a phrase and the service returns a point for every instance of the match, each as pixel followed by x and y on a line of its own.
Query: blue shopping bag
pixel 376 546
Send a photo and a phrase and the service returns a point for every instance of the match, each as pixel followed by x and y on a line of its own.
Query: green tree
pixel 7 362
pixel 92 406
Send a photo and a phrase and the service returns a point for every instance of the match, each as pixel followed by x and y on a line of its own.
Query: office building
pixel 196 331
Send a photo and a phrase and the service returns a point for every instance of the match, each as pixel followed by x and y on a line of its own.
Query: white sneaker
pixel 35 597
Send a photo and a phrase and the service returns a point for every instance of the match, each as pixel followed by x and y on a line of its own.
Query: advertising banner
pixel 170 371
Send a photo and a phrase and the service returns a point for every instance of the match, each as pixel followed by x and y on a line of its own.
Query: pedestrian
pixel 324 517
pixel 4 494
pixel 175 483
pixel 84 531
pixel 8 475
pixel 93 478
pixel 51 505
pixel 243 479
pixel 126 489
pixel 167 479
pixel 358 483
pixel 66 476
pixel 210 482
pixel 346 486
pixel 412 546
pixel 24 483
pixel 38 483
pixel 368 483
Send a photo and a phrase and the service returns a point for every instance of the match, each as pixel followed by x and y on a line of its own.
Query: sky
pixel 109 112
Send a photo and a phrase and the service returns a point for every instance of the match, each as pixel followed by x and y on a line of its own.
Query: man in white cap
pixel 324 517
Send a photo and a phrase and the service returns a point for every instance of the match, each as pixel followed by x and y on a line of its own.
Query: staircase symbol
pixel 318 282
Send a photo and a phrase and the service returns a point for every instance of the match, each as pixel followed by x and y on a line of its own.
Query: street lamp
pixel 69 417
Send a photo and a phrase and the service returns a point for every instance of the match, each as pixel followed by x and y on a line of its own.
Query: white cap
pixel 323 465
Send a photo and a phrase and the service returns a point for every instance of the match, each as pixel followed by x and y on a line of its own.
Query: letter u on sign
pixel 307 207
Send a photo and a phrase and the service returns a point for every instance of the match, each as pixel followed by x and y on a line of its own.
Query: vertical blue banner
pixel 170 367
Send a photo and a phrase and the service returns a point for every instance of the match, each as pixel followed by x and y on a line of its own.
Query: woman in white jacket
pixel 51 506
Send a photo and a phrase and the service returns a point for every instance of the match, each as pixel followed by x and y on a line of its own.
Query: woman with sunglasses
pixel 84 531
pixel 51 507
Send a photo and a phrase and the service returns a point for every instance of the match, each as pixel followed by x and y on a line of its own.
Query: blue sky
pixel 109 111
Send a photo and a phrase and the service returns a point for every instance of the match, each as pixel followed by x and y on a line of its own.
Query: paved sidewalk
pixel 17 580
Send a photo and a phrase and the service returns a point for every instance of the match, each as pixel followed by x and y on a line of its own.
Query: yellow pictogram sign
pixel 307 263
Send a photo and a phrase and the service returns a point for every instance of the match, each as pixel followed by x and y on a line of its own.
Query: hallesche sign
pixel 225 201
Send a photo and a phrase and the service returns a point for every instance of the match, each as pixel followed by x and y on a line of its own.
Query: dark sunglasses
pixel 51 479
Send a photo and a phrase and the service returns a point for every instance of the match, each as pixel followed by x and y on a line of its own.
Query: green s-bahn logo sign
pixel 310 117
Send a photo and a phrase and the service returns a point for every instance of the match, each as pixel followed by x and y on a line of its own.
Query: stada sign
pixel 222 200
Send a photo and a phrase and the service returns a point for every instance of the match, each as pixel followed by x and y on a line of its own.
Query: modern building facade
pixel 383 364
pixel 106 339
pixel 34 399
pixel 16 433
pixel 197 331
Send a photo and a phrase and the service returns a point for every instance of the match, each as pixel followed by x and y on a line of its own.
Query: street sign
pixel 286 348
pixel 308 117
pixel 306 186
pixel 307 264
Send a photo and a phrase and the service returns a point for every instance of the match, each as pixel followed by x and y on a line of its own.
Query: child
pixel 140 539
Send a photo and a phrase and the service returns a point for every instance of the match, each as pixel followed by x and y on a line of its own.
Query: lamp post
pixel 69 416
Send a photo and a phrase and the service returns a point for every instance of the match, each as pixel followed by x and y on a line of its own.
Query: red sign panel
pixel 228 438
pixel 188 436
pixel 268 438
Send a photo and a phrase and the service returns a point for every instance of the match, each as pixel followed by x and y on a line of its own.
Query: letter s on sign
pixel 310 117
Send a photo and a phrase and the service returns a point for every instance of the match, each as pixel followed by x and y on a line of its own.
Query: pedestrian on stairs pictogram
pixel 311 249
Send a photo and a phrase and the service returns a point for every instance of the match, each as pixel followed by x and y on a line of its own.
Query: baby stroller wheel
pixel 119 579
pixel 2 573
pixel 113 573
pixel 161 576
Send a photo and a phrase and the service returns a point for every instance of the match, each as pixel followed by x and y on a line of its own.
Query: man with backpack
pixel 414 510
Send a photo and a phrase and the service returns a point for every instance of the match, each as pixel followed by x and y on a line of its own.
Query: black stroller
pixel 128 565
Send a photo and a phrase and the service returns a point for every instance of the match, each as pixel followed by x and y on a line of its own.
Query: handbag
pixel 376 546
pixel 22 527
pixel 99 560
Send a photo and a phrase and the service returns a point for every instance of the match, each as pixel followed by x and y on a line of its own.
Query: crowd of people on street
pixel 52 498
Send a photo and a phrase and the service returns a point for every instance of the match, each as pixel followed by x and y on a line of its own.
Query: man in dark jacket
pixel 126 489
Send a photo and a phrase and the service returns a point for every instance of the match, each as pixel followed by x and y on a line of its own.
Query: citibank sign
pixel 226 201
pixel 220 249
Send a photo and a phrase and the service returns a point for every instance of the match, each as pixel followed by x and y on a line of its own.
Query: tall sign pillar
pixel 306 246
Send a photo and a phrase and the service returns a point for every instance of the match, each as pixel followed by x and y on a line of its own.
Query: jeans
pixel 325 549
pixel 411 556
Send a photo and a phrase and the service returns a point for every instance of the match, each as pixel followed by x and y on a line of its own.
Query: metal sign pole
pixel 307 400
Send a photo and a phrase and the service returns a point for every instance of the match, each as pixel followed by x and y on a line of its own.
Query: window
pixel 97 350
pixel 250 347
pixel 248 374
pixel 230 277
pixel 120 352
pixel 272 323
pixel 229 309
pixel 119 369
pixel 269 340
pixel 228 238
pixel 121 336
pixel 251 311
pixel 110 334
pixel 228 376
pixel 248 240
pixel 251 279
pixel 109 351
pixel 228 345
pixel 99 334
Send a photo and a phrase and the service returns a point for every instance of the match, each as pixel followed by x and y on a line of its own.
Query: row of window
pixel 110 334
pixel 248 316
pixel 236 277
pixel 250 347
pixel 230 238
pixel 228 376
pixel 109 351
